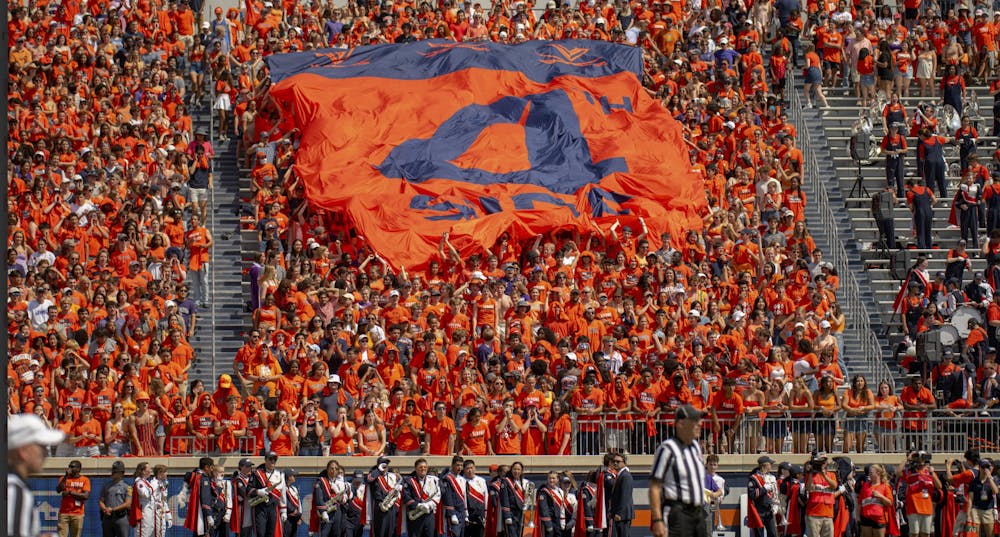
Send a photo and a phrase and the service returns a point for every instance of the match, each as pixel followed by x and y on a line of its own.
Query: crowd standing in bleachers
pixel 497 353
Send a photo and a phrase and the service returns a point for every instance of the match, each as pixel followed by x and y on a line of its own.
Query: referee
pixel 677 482
pixel 28 441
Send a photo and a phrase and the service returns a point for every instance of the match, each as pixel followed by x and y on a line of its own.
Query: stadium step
pixel 223 322
pixel 852 359
pixel 877 269
pixel 837 192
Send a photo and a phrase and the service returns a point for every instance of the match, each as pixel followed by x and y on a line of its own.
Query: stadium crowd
pixel 509 351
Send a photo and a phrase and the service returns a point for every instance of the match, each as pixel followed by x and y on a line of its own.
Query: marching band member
pixel 453 502
pixel 240 510
pixel 384 494
pixel 223 502
pixel 267 494
pixel 421 496
pixel 290 523
pixel 568 487
pixel 588 503
pixel 343 493
pixel 356 515
pixel 325 511
pixel 551 508
pixel 199 518
pixel 143 513
pixel 514 493
pixel 477 500
pixel 494 510
pixel 161 494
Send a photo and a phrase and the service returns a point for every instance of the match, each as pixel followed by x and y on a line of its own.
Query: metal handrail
pixel 852 305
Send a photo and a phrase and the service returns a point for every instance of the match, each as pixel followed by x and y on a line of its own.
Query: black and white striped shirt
pixel 681 470
pixel 22 517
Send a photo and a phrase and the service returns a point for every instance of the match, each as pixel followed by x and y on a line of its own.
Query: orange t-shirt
pixel 439 432
pixel 409 441
pixel 91 427
pixel 727 407
pixel 475 437
pixel 283 444
pixel 509 439
pixel 71 505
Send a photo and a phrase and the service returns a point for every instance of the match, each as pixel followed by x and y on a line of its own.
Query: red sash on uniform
pixel 516 487
pixel 580 529
pixel 360 502
pixel 494 520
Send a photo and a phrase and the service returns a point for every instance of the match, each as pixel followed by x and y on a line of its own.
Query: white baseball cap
pixel 27 429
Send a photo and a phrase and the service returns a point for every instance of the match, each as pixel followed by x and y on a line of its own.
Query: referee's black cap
pixel 688 412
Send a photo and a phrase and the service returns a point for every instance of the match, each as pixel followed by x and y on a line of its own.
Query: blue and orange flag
pixel 478 139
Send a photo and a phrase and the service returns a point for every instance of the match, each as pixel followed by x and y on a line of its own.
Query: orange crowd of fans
pixel 555 343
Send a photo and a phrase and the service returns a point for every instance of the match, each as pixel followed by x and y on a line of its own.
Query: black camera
pixel 816 464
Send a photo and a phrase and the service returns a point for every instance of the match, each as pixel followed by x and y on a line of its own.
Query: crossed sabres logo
pixel 573 57
pixel 337 59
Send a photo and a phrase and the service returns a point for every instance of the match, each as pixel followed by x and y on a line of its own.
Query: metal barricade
pixel 191 445
pixel 775 432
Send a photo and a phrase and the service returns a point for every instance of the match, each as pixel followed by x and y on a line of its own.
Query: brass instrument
pixel 530 498
pixel 948 119
pixel 416 512
pixel 879 104
pixel 257 499
pixel 390 499
pixel 972 109
pixel 338 498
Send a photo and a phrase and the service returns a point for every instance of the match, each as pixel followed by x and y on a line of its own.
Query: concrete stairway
pixel 874 267
pixel 222 323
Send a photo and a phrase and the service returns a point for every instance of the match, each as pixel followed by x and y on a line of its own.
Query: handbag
pixel 969 529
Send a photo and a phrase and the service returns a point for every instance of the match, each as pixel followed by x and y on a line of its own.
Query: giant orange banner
pixel 478 139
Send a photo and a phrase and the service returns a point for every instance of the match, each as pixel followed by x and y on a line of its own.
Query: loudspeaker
pixel 899 263
pixel 883 204
pixel 929 347
pixel 860 146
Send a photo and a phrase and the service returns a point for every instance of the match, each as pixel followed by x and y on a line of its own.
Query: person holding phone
pixel 75 491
